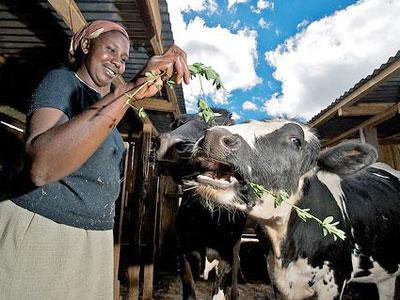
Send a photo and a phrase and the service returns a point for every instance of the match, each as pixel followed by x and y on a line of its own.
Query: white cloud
pixel 303 24
pixel 319 64
pixel 248 105
pixel 195 5
pixel 263 23
pixel 235 116
pixel 261 5
pixel 235 25
pixel 231 3
pixel 232 55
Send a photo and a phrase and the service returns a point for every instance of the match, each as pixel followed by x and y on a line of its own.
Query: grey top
pixel 85 198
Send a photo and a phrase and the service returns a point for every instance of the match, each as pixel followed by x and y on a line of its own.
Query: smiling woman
pixel 56 238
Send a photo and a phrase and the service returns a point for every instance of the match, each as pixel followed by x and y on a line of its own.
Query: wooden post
pixel 119 218
pixel 370 135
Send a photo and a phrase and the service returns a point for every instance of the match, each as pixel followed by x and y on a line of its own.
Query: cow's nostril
pixel 230 141
pixel 182 147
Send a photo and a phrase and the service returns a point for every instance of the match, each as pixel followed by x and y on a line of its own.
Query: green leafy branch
pixel 152 78
pixel 327 225
pixel 200 70
pixel 196 70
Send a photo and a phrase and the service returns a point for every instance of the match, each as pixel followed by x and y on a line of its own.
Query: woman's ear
pixel 85 45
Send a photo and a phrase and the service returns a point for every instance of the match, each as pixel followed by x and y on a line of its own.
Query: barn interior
pixel 34 38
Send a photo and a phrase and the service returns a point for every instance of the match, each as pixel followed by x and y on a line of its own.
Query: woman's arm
pixel 57 146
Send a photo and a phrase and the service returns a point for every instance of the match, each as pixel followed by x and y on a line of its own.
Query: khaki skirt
pixel 41 259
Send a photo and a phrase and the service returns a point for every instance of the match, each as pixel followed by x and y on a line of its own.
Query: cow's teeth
pixel 216 183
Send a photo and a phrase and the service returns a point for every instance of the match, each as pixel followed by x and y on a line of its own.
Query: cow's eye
pixel 295 141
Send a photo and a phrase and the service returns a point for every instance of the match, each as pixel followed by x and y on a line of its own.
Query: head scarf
pixel 90 31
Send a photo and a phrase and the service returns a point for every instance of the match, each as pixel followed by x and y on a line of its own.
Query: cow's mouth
pixel 217 174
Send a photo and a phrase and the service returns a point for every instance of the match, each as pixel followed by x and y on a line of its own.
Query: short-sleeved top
pixel 85 198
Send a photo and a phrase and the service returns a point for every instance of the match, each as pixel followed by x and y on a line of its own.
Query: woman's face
pixel 105 59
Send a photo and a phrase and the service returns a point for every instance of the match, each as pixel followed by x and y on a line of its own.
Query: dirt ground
pixel 169 287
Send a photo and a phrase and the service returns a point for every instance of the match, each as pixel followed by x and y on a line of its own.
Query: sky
pixel 283 58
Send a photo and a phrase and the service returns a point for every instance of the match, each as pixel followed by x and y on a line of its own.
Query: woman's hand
pixel 172 62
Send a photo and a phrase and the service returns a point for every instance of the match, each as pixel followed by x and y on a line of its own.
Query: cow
pixel 206 239
pixel 343 182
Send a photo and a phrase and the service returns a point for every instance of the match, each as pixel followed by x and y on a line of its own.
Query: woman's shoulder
pixel 61 72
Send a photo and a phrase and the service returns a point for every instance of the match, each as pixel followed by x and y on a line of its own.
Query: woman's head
pixel 99 51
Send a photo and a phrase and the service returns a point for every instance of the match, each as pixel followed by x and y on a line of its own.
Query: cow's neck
pixel 276 219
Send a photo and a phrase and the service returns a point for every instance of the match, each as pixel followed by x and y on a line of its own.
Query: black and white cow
pixel 343 182
pixel 207 240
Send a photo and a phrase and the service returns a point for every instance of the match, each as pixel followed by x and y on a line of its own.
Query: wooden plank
pixel 158 105
pixel 391 155
pixel 364 89
pixel 174 100
pixel 363 109
pixel 133 282
pixel 155 18
pixel 370 135
pixel 393 139
pixel 375 120
pixel 69 11
pixel 120 206
pixel 149 233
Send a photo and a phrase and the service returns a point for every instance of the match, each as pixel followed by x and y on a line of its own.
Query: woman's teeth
pixel 110 72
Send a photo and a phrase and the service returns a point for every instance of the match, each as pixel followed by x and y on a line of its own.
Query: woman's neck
pixel 82 74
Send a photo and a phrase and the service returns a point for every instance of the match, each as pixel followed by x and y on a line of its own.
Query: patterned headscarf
pixel 90 31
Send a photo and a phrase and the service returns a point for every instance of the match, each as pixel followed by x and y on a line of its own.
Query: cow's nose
pixel 223 139
pixel 230 141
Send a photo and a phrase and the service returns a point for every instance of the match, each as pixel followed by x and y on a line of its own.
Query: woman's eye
pixel 295 141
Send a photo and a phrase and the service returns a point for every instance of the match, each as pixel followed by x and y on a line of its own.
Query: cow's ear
pixel 347 157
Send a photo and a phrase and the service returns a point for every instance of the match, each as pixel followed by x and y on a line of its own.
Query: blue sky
pixel 287 58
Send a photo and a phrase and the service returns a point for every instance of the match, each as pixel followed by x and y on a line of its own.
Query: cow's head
pixel 275 154
pixel 175 147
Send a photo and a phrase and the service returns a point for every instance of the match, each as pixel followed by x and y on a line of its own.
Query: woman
pixel 56 240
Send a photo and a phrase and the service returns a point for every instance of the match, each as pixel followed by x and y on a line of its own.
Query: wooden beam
pixel 69 11
pixel 155 18
pixel 363 109
pixel 174 100
pixel 360 92
pixel 393 139
pixel 375 120
pixel 158 105
pixel 370 135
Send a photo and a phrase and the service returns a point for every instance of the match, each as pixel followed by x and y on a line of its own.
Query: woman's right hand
pixel 172 62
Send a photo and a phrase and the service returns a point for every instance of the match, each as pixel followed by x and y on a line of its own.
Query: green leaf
pixel 202 104
pixel 199 69
pixel 258 189
pixel 151 75
pixel 328 226
pixel 327 220
pixel 170 83
pixel 142 113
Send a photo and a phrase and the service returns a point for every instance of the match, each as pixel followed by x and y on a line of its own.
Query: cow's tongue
pixel 210 165
pixel 215 170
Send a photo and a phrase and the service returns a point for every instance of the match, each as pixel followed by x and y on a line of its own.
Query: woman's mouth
pixel 110 71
